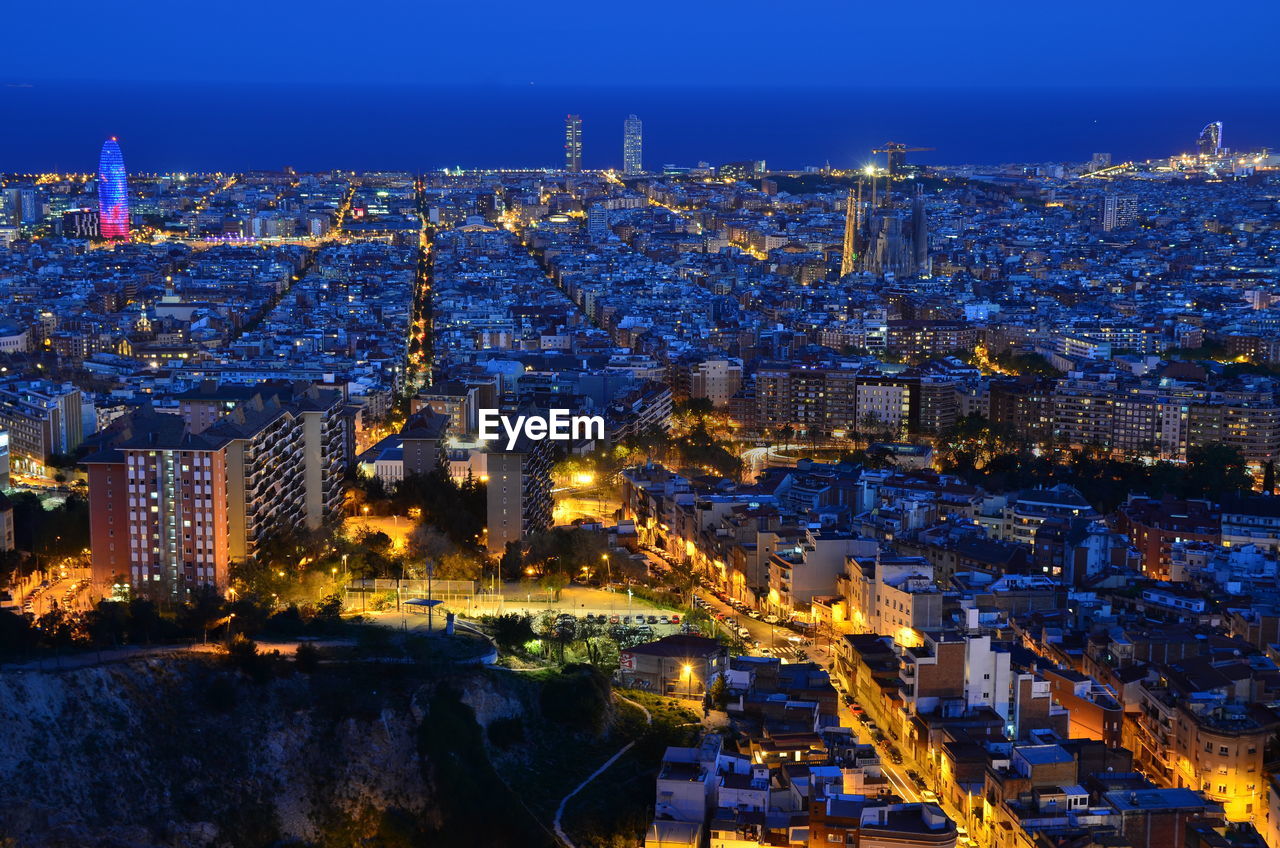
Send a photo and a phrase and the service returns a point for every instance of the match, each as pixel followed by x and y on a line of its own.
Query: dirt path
pixel 564 837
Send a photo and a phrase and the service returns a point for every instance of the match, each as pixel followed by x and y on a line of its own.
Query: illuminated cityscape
pixel 384 463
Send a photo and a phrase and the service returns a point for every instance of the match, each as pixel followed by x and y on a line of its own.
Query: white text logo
pixel 559 425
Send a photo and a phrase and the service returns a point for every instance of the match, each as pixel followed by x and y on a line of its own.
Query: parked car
pixel 613 619
pixel 771 619
pixel 929 795
pixel 675 619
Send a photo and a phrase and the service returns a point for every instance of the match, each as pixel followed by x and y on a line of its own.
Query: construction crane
pixel 895 154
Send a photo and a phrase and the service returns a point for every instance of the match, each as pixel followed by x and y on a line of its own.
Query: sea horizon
pixel 197 126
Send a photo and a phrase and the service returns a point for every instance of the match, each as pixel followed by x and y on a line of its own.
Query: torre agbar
pixel 113 194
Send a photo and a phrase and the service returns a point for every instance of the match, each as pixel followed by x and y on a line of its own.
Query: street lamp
pixel 688 673
pixel 608 569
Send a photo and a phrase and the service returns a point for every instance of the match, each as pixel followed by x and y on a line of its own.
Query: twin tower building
pixel 632 145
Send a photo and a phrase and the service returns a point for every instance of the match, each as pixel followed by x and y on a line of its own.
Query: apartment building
pixel 158 517
pixel 171 508
pixel 1203 725
pixel 892 596
pixel 42 419
pixel 519 490
pixel 948 670
pixel 1155 526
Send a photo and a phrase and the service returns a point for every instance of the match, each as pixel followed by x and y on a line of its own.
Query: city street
pixel 590 503
pixel 774 639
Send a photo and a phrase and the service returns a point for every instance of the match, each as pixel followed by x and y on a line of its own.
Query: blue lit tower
pixel 632 146
pixel 113 192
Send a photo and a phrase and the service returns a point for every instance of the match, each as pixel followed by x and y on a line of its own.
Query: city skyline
pixel 719 425
pixel 367 129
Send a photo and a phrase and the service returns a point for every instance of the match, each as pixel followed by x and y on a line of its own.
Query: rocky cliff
pixel 193 753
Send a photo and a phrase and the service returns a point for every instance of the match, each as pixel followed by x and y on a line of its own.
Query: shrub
pixel 307 658
pixel 577 697
pixel 505 732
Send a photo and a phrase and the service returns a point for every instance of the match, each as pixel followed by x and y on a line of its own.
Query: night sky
pixel 594 42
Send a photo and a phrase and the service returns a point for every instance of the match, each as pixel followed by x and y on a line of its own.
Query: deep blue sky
pixel 1171 43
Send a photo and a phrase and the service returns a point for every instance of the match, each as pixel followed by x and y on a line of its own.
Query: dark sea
pixel 172 127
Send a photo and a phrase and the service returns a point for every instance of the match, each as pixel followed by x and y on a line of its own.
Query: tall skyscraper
pixel 113 192
pixel 632 146
pixel 1210 141
pixel 573 143
pixel 1119 211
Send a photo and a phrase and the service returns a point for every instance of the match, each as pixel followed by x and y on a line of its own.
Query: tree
pixel 374 540
pixel 578 697
pixel 684 577
pixel 565 549
pixel 512 630
pixel 202 610
pixel 306 658
pixel 512 562
pixel 1215 470
pixel 554 582
pixel 719 692
pixel 785 433
pixel 458 565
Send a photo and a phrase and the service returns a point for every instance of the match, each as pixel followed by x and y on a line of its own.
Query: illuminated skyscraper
pixel 1119 211
pixel 113 192
pixel 1210 141
pixel 573 143
pixel 632 146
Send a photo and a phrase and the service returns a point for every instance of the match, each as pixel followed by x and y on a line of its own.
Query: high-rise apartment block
pixel 175 499
pixel 573 143
pixel 632 146
pixel 1119 211
pixel 519 491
